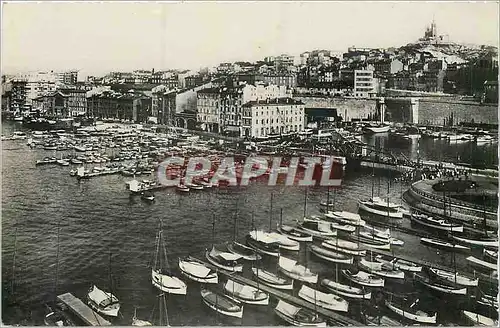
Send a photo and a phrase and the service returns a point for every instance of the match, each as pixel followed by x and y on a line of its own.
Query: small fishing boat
pixel 294 234
pixel 442 288
pixel 381 269
pixel 331 256
pixel 317 229
pixel 161 277
pixel 284 242
pixel 478 319
pixel 489 242
pixel 439 224
pixel 364 278
pixel 325 300
pixel 298 316
pixel 57 317
pixel 399 264
pixel 195 186
pixel 386 233
pixel 372 129
pixel 272 279
pixel 222 304
pixel 385 240
pixel 148 196
pixel 378 206
pixel 343 246
pixel 478 263
pixel 345 290
pixel 490 255
pixel 454 277
pixel 296 271
pixel 262 243
pixel 197 271
pixel 411 314
pixel 245 252
pixel 443 244
pixel 103 302
pixel 245 294
pixel 224 260
pixel 182 188
pixel 345 218
pixel 371 243
pixel 343 227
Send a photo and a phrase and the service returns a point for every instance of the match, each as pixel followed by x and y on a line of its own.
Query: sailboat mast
pixel 327 199
pixel 57 261
pixel 271 214
pixel 14 262
pixel 305 202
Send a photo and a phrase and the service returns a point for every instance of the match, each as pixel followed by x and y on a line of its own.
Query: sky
pixel 96 38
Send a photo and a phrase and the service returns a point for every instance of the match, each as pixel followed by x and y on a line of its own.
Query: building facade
pixel 364 84
pixel 262 118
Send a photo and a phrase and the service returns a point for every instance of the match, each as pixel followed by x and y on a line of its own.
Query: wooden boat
pixel 490 255
pixel 343 227
pixel 345 218
pixel 160 276
pixel 345 290
pixel 484 265
pixel 443 244
pixel 298 316
pixel 399 264
pixel 384 240
pixel 57 317
pixel 317 229
pixel 454 277
pixel 343 246
pixel 296 271
pixel 284 242
pixel 417 316
pixel 294 234
pixel 442 288
pixel 492 242
pixel 377 129
pixel 439 224
pixel 262 243
pixel 224 260
pixel 272 279
pixel 148 196
pixel 325 300
pixel 371 243
pixel 182 188
pixel 489 301
pixel 331 256
pixel 198 272
pixel 245 252
pixel 380 269
pixel 478 319
pixel 386 233
pixel 364 278
pixel 103 302
pixel 245 294
pixel 378 207
pixel 222 304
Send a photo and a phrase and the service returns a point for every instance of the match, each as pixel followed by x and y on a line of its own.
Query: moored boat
pixel 477 319
pixel 442 288
pixel 262 243
pixel 296 271
pixel 399 264
pixel 414 315
pixel 298 316
pixel 272 279
pixel 331 256
pixel 381 269
pixel 364 278
pixel 378 207
pixel 345 218
pixel 443 244
pixel 344 246
pixel 245 252
pixel 221 304
pixel 245 294
pixel 317 229
pixel 439 224
pixel 454 277
pixel 483 265
pixel 224 260
pixel 325 300
pixel 490 242
pixel 294 234
pixel 284 242
pixel 197 271
pixel 490 255
pixel 345 290
pixel 103 302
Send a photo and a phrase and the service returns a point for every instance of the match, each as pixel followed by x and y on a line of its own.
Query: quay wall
pixel 347 108
pixel 437 111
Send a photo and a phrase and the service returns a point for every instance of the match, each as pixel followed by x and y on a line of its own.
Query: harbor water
pixel 104 232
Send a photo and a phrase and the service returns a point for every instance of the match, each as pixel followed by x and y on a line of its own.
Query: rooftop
pixel 274 101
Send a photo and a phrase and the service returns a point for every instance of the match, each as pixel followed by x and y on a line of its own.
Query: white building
pixel 38 84
pixel 272 116
pixel 364 84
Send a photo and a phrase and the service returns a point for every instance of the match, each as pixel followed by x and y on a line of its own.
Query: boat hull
pixel 324 254
pixel 211 278
pixel 168 284
pixel 236 268
pixel 236 313
pixel 272 280
pixel 392 215
pixel 344 290
pixel 412 316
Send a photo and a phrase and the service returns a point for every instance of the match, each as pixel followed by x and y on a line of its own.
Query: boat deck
pixel 334 317
pixel 83 311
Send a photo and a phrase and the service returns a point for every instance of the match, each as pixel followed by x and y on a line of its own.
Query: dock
pixel 334 317
pixel 82 311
